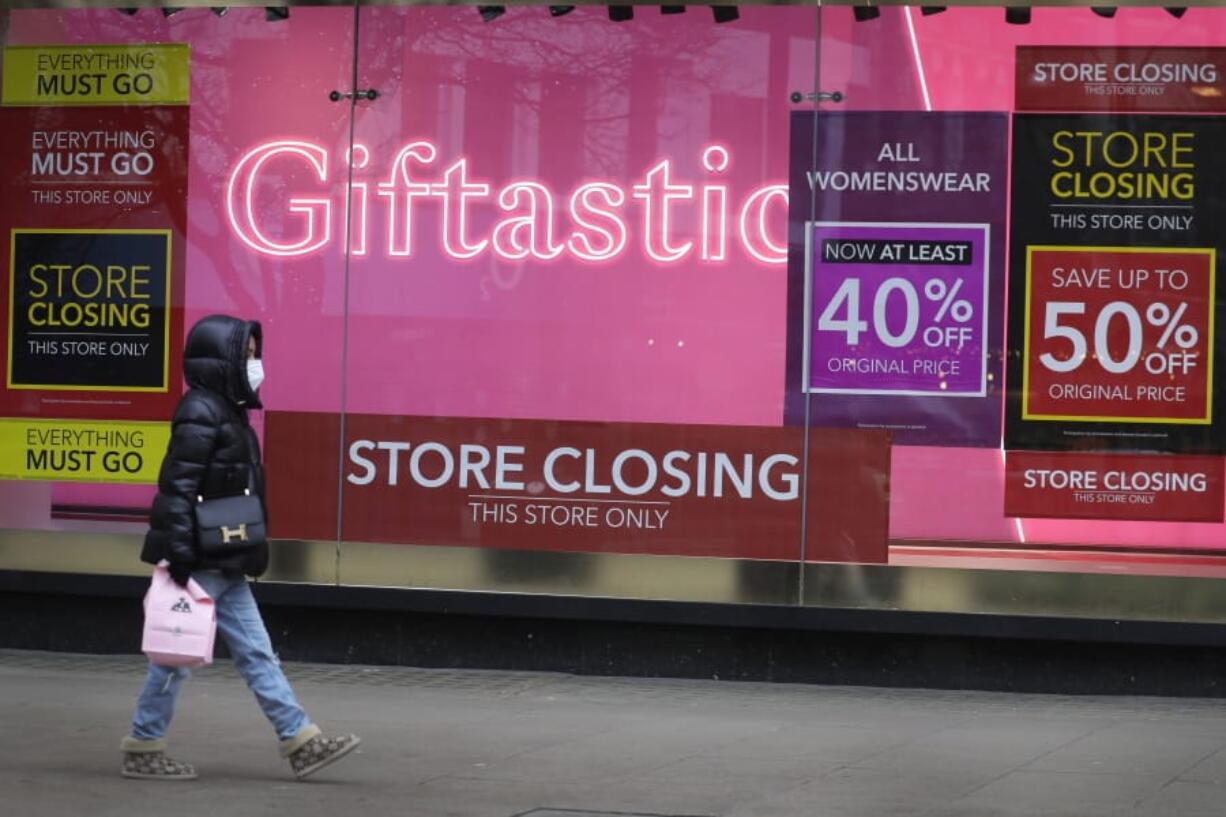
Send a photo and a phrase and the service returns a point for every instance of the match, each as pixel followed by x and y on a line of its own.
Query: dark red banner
pixel 1085 79
pixel 694 490
pixel 93 203
pixel 1085 485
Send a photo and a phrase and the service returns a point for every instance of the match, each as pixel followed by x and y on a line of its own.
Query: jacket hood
pixel 215 358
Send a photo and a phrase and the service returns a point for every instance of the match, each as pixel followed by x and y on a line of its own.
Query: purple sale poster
pixel 903 309
pixel 896 274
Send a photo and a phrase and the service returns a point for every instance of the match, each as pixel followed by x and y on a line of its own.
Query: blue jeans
pixel 240 624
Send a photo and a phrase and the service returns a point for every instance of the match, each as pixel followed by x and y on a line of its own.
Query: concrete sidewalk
pixel 497 744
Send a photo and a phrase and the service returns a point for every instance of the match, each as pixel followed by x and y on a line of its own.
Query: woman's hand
pixel 179 573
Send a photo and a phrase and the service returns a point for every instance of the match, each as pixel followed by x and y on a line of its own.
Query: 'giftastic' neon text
pixel 598 221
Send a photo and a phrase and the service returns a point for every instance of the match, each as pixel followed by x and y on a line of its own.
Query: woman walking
pixel 214 452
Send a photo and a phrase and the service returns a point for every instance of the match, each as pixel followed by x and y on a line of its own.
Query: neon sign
pixel 602 218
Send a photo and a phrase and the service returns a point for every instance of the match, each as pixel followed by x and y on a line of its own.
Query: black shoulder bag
pixel 228 525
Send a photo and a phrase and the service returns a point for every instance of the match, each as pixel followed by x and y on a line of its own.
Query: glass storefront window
pixel 793 306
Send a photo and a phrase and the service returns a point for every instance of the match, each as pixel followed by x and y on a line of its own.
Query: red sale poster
pixel 1120 78
pixel 93 226
pixel 690 490
pixel 1119 334
pixel 1091 485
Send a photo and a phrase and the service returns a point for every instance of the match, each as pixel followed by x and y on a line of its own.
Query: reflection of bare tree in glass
pixel 561 100
pixel 216 88
pixel 608 63
pixel 655 78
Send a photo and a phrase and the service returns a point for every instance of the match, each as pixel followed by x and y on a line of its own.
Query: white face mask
pixel 255 373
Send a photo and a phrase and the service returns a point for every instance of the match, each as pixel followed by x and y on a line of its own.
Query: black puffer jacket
pixel 213 450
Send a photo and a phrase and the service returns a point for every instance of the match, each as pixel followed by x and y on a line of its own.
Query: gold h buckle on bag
pixel 239 533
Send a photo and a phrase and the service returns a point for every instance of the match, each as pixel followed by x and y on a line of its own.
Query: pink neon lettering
pixel 358 203
pixel 240 200
pixel 400 242
pixel 715 206
pixel 509 237
pixel 455 192
pixel 613 235
pixel 658 194
pixel 754 233
pixel 525 213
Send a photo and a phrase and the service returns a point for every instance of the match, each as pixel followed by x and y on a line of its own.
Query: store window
pixel 773 304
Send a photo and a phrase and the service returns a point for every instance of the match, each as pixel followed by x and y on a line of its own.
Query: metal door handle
pixel 819 96
pixel 369 93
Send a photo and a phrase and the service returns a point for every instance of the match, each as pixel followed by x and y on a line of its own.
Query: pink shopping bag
pixel 180 623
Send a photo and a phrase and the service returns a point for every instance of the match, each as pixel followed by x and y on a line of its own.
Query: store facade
pixel 873 308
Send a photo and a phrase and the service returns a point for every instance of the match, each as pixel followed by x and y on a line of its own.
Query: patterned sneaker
pixel 146 760
pixel 310 750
